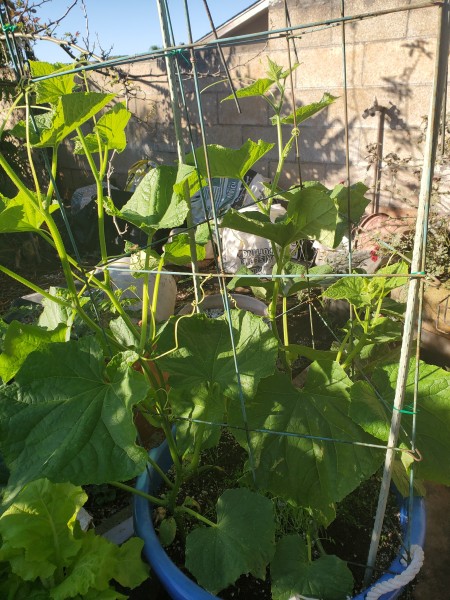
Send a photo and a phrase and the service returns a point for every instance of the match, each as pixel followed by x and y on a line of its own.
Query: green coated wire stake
pixel 11 28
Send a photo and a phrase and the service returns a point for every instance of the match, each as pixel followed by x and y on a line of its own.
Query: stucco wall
pixel 390 58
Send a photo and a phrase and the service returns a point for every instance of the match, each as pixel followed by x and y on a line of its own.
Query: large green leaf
pixel 314 214
pixel 366 291
pixel 20 340
pixel 69 418
pixel 257 88
pixel 37 530
pixel 311 471
pixel 37 125
pixel 293 285
pixel 227 162
pixel 178 251
pixel 201 368
pixel 282 232
pixel 243 541
pixel 433 416
pixel 111 130
pixel 155 205
pixel 204 352
pixel 294 576
pixel 50 90
pixel 305 112
pixel 351 204
pixel 20 213
pixel 72 110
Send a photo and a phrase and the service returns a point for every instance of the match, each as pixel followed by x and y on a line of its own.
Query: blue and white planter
pixel 180 587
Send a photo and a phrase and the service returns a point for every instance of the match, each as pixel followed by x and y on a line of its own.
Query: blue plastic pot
pixel 181 587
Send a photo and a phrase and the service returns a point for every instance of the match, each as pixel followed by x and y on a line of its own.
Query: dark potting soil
pixel 348 536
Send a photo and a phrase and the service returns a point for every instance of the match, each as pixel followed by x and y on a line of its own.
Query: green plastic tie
pixel 417 272
pixel 406 411
pixel 7 28
pixel 180 51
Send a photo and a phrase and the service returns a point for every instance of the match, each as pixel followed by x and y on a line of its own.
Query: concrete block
pixel 423 22
pixel 322 67
pixel 398 65
pixel 254 112
pixel 225 135
pixel 383 27
pixel 290 176
pixel 302 14
pixel 208 105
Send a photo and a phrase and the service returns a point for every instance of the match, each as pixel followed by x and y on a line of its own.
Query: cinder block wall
pixel 390 58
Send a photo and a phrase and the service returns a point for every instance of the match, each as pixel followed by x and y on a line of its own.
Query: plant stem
pixel 100 210
pixel 145 298
pixel 155 298
pixel 197 447
pixel 285 323
pixel 160 472
pixel 196 515
pixel 361 343
pixel 132 490
pixel 34 287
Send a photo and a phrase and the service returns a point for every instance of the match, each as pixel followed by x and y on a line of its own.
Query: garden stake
pixel 440 72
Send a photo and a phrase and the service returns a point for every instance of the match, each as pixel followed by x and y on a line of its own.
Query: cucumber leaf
pixel 243 541
pixel 293 574
pixel 433 418
pixel 155 205
pixel 228 162
pixel 201 369
pixel 305 112
pixel 68 417
pixel 50 90
pixel 71 111
pixel 111 130
pixel 307 471
pixel 20 340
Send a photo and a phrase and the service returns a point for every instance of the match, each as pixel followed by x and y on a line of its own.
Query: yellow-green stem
pixel 155 298
pixel 100 209
pixel 33 287
pixel 29 154
pixel 132 490
pixel 145 298
pixel 196 515
pixel 285 323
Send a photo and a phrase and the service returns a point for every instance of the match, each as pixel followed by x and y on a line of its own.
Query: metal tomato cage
pixel 436 117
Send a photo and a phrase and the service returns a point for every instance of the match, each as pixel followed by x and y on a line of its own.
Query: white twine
pixel 399 581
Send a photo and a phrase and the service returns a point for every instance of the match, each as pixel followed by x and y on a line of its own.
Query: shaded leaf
pixel 293 575
pixel 228 162
pixel 433 419
pixel 20 340
pixel 241 542
pixel 305 112
pixel 167 531
pixel 201 369
pixel 155 205
pixel 69 418
pixel 307 471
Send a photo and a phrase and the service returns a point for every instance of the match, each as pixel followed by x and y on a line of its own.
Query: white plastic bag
pixel 246 250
